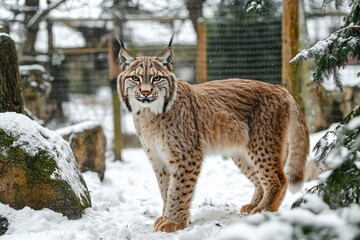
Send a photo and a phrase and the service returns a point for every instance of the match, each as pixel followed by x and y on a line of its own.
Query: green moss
pixel 39 167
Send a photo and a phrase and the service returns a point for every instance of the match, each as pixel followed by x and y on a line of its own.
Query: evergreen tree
pixel 333 52
pixel 338 149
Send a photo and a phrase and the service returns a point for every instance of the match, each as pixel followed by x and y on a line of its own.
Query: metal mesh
pixel 245 48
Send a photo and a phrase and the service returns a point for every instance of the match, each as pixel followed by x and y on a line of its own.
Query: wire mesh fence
pixel 82 87
pixel 238 45
pixel 246 48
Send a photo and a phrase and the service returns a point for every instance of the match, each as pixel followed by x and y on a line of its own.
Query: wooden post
pixel 49 28
pixel 201 52
pixel 290 47
pixel 10 89
pixel 309 109
pixel 113 73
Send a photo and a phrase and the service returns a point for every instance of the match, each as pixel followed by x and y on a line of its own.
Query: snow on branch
pixel 342 141
pixel 333 52
pixel 260 6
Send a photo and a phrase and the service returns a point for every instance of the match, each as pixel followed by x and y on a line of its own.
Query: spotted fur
pixel 178 124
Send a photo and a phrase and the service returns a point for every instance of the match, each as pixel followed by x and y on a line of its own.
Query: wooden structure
pixel 290 47
pixel 201 52
pixel 113 73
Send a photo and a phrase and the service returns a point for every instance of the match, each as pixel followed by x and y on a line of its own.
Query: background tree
pixel 33 15
pixel 10 94
pixel 332 53
pixel 195 9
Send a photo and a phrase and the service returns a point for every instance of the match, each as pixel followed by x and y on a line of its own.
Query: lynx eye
pixel 135 78
pixel 156 78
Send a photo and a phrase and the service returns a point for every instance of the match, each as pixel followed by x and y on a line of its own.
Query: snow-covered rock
pixel 88 143
pixel 38 168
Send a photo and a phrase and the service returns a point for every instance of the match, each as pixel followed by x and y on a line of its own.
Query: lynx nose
pixel 145 93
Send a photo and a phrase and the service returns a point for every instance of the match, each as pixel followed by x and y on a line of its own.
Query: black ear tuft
pixel 167 55
pixel 125 56
pixel 166 58
pixel 121 43
pixel 171 39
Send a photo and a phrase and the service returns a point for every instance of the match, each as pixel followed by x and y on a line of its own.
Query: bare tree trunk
pixel 195 8
pixel 30 34
pixel 10 90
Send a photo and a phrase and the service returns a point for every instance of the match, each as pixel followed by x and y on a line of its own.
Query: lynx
pixel 178 124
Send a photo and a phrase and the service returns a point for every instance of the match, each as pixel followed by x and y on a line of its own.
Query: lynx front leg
pixel 181 188
pixel 162 177
pixel 163 181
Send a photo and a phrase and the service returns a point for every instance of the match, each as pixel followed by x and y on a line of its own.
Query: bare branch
pixel 41 14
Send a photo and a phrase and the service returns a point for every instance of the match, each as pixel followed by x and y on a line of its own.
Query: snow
pixel 354 123
pixel 33 138
pixel 348 76
pixel 27 68
pixel 312 203
pixel 125 205
pixel 80 127
pixel 4 34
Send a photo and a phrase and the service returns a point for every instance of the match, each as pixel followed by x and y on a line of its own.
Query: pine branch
pixel 342 136
pixel 332 53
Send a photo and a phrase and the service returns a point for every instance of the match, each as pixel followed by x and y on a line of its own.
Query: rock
pixel 38 168
pixel 88 143
pixel 36 88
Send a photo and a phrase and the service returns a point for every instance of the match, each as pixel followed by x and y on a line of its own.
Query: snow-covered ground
pixel 127 202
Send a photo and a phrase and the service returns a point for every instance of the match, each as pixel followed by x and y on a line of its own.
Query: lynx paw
pixel 247 208
pixel 257 210
pixel 163 225
pixel 264 209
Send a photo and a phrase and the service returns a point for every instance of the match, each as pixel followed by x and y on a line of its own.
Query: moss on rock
pixel 38 169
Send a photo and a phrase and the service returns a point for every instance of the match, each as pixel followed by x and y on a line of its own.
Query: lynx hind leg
pixel 248 170
pixel 271 176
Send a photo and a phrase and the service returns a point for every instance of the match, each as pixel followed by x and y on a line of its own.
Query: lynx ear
pixel 166 56
pixel 125 56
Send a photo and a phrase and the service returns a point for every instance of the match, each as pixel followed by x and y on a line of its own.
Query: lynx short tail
pixel 298 139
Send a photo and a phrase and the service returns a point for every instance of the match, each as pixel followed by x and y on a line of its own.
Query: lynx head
pixel 147 82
